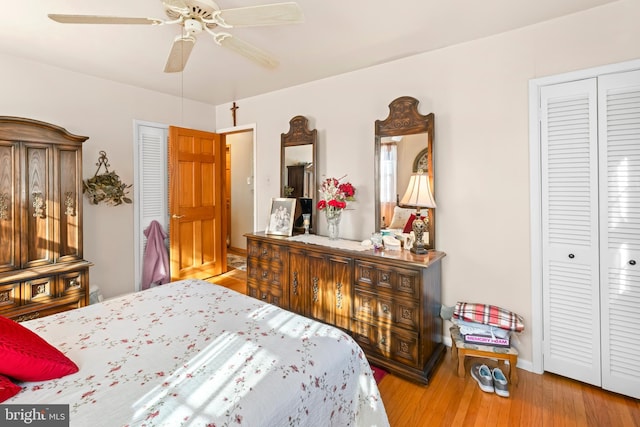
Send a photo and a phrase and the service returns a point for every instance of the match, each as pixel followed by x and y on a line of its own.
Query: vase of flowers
pixel 333 200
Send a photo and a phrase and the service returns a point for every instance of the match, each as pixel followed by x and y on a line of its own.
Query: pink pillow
pixel 408 227
pixel 25 356
pixel 7 388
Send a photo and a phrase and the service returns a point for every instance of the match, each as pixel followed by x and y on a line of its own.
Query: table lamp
pixel 418 195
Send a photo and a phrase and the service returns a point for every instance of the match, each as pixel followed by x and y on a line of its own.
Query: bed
pixel 191 353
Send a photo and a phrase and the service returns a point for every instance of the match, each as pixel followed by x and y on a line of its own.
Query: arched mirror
pixel 403 147
pixel 298 163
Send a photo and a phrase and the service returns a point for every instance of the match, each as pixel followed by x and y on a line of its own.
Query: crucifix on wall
pixel 233 112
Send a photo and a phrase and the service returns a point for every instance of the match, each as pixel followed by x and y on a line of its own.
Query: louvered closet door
pixel 570 230
pixel 619 140
pixel 153 194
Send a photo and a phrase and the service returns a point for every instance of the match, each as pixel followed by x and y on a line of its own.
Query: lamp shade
pixel 418 194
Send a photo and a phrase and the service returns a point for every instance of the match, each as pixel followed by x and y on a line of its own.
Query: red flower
pixel 334 195
pixel 339 204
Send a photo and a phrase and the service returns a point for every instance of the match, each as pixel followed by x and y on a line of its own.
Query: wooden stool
pixel 461 349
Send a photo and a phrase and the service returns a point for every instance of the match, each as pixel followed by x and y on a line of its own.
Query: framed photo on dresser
pixel 281 216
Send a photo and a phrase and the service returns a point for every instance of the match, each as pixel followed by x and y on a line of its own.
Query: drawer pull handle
pixel 68 203
pixel 38 205
pixel 339 295
pixel 385 309
pixel 385 277
pixel 383 340
pixel 572 256
pixel 5 204
pixel 295 283
pixel 265 252
pixel 265 274
pixel 263 296
pixel 632 262
pixel 29 316
pixel 315 289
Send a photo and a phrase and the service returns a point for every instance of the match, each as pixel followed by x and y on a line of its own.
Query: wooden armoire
pixel 42 270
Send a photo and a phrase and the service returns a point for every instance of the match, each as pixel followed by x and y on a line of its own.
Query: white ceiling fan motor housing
pixel 192 26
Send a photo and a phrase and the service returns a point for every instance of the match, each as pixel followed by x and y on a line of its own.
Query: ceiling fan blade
pixel 179 54
pixel 268 14
pixel 94 19
pixel 178 6
pixel 246 49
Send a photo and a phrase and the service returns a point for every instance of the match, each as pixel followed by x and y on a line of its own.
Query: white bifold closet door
pixel 590 135
pixel 619 142
pixel 571 289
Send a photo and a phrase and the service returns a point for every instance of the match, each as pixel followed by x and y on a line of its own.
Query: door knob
pixel 174 216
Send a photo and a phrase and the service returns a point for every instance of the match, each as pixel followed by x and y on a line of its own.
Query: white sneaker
pixel 500 384
pixel 482 374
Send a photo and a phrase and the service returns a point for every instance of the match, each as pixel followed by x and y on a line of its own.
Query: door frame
pixel 535 193
pixel 246 128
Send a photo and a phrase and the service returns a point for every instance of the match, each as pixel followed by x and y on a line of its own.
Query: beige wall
pixel 105 112
pixel 478 92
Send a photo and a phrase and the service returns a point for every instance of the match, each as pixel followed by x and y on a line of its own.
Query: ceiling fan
pixel 198 15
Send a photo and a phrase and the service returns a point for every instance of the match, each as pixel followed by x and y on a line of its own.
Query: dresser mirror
pixel 403 145
pixel 298 164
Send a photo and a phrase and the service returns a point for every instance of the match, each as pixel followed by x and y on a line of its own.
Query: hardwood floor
pixel 538 400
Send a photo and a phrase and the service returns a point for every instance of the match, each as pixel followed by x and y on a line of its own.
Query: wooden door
pixel 68 206
pixel 298 281
pixel 329 289
pixel 340 283
pixel 9 207
pixel 196 204
pixel 38 213
pixel 317 288
pixel 228 195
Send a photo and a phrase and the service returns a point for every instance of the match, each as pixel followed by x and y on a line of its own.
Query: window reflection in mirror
pixel 400 156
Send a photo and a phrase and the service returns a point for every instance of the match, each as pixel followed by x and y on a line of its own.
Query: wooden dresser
pixel 388 301
pixel 42 270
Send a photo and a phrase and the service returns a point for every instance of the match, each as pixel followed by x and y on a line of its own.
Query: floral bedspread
pixel 191 353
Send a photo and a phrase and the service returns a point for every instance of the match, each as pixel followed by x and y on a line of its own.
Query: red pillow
pixel 408 227
pixel 25 356
pixel 7 388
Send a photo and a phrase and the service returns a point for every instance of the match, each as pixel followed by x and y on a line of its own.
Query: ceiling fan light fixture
pixel 193 26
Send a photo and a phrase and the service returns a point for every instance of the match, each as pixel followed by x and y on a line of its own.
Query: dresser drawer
pixel 271 295
pixel 39 290
pixel 382 308
pixel 265 273
pixel 72 283
pixel 399 345
pixel 266 252
pixel 9 296
pixel 383 278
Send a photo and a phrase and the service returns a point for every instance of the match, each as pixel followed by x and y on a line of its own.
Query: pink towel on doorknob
pixel 155 266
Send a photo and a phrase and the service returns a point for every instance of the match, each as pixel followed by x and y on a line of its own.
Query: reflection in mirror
pixel 403 145
pixel 400 156
pixel 298 163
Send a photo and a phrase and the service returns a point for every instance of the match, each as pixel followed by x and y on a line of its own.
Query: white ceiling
pixel 337 36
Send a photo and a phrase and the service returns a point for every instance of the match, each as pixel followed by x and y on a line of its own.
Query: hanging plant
pixel 106 187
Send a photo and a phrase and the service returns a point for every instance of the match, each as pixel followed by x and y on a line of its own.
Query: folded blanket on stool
pixel 489 315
